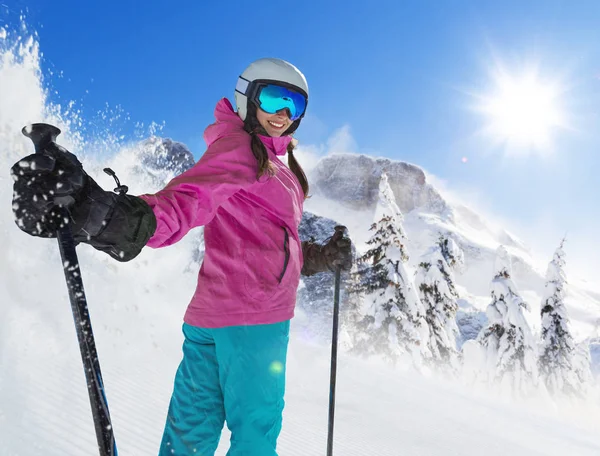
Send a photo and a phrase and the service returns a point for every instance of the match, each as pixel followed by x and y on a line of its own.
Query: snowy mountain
pixel 345 189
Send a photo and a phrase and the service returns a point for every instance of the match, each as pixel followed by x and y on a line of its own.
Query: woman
pixel 236 326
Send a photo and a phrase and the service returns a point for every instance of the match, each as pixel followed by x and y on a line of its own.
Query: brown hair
pixel 265 166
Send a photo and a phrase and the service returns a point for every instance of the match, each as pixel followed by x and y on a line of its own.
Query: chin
pixel 275 134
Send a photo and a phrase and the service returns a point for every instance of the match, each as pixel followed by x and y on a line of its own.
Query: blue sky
pixel 403 76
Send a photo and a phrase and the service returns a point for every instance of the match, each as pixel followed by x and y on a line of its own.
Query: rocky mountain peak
pixel 353 181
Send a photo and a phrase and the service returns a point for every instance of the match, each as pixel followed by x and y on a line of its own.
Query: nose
pixel 284 112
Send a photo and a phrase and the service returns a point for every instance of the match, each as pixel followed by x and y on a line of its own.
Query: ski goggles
pixel 272 97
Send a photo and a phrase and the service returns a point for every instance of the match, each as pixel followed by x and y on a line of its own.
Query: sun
pixel 522 111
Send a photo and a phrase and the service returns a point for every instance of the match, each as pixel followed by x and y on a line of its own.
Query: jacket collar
pixel 277 145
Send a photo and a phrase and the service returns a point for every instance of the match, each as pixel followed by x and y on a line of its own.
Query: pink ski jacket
pixel 253 258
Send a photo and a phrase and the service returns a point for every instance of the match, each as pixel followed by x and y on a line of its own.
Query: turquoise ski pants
pixel 234 375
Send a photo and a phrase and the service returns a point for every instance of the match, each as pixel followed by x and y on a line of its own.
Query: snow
pixel 136 310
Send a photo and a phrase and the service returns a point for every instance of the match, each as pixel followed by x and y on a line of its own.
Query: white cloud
pixel 308 156
pixel 340 141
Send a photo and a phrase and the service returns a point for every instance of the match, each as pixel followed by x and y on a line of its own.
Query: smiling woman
pixel 523 112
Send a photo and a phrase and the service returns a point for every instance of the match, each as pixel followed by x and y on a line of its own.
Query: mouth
pixel 276 125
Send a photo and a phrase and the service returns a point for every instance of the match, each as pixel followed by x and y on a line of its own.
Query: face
pixel 275 124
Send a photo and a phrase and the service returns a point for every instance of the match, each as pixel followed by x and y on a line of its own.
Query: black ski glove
pixel 117 224
pixel 336 252
pixel 43 183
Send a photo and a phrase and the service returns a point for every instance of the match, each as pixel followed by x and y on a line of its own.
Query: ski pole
pixel 44 140
pixel 339 232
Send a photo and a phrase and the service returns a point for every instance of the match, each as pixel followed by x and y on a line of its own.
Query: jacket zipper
pixel 286 249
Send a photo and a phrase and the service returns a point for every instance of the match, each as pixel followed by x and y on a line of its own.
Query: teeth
pixel 276 125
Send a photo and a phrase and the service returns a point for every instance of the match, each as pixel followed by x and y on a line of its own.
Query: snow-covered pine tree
pixel 557 346
pixel 390 318
pixel 510 352
pixel 435 283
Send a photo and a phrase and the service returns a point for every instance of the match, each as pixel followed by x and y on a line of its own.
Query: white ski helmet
pixel 268 70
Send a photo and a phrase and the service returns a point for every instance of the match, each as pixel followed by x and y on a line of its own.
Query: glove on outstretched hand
pixel 117 224
pixel 336 252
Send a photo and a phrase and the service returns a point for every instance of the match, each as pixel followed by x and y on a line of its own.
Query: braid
pixel 254 128
pixel 297 169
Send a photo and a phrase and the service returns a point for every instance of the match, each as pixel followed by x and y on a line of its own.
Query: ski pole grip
pixel 42 135
pixel 340 231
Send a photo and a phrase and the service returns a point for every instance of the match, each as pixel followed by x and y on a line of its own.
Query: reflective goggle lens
pixel 273 98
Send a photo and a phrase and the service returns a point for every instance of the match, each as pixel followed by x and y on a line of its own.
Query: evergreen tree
pixel 435 282
pixel 509 348
pixel 389 319
pixel 557 346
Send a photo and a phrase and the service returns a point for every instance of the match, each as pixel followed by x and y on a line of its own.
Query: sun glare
pixel 523 112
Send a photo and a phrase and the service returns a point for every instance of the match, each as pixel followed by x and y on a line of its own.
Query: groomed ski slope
pixel 380 412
